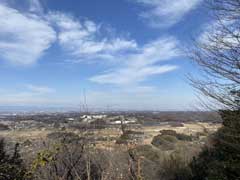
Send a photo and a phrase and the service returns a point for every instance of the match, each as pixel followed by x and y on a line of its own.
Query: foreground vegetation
pixel 170 156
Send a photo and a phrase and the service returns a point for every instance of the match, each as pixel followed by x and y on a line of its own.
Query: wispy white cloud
pixel 140 98
pixel 165 13
pixel 40 89
pixel 28 98
pixel 35 6
pixel 23 37
pixel 83 39
pixel 28 94
pixel 139 66
pixel 131 75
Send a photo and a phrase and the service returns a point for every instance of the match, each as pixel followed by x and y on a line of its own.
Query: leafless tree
pixel 217 53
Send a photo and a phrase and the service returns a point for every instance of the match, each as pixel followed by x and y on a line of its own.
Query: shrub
pixel 146 159
pixel 11 165
pixel 148 152
pixel 129 136
pixel 27 143
pixel 4 127
pixel 156 164
pixel 222 160
pixel 199 134
pixel 165 142
pixel 79 161
pixel 121 141
pixel 65 162
pixel 168 132
pixel 181 137
pixel 184 137
pixel 176 124
pixel 175 167
pixel 66 137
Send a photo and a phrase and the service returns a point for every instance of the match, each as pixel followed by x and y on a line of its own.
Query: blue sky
pixel 124 54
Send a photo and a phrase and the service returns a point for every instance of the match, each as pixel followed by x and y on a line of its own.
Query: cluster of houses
pixel 49 121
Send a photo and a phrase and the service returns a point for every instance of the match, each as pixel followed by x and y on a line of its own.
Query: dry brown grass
pixel 149 133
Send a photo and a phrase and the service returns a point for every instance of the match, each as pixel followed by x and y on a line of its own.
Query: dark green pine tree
pixel 11 166
pixel 222 160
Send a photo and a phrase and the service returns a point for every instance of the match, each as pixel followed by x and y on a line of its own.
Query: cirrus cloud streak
pixel 165 13
pixel 143 64
pixel 23 37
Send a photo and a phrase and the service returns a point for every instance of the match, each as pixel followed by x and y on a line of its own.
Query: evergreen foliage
pixel 222 160
pixel 11 165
